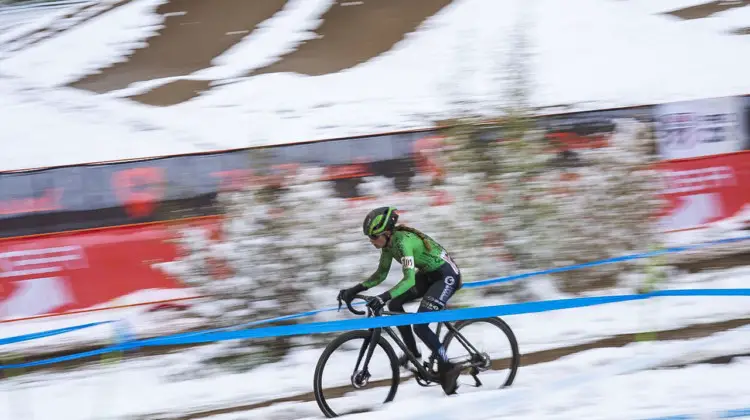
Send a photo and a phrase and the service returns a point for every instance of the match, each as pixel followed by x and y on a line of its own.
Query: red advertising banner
pixel 705 190
pixel 76 270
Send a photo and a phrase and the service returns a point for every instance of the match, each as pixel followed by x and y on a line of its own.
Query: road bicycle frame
pixel 368 347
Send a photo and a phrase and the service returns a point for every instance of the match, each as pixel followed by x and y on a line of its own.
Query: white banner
pixel 699 128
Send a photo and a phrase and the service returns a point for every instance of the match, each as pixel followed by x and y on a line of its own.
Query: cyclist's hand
pixel 347 295
pixel 377 303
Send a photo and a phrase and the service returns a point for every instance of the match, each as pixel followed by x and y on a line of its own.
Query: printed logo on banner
pixel 139 189
pixel 31 281
pixel 698 128
pixel 688 130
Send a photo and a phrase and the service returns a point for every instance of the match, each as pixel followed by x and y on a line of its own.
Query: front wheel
pixel 487 346
pixel 347 382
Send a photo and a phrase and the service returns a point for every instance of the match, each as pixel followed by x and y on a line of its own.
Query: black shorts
pixel 434 287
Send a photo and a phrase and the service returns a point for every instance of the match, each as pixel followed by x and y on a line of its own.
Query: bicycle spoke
pixel 356 375
pixel 486 350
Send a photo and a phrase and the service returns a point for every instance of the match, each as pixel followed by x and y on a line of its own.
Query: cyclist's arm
pixel 384 266
pixel 408 269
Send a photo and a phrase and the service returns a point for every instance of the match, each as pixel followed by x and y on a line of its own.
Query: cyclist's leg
pixel 445 282
pixel 397 305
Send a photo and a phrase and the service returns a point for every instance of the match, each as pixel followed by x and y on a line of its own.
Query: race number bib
pixel 407 263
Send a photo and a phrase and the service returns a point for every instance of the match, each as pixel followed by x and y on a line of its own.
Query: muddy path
pixel 527 359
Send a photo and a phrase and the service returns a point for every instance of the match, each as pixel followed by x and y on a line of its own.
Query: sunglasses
pixel 374 237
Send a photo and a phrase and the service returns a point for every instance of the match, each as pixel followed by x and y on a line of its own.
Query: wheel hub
pixel 482 361
pixel 360 379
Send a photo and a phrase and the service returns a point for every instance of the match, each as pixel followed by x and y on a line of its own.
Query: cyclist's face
pixel 379 241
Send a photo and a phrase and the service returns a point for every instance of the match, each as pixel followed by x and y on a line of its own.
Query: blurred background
pixel 170 166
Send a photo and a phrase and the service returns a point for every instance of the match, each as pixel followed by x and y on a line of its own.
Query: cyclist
pixel 428 273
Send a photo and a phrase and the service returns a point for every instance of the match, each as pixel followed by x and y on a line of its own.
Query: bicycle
pixel 425 374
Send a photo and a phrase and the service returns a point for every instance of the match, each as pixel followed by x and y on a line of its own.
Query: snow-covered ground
pixel 595 52
pixel 19 20
pixel 596 384
pixel 119 31
pixel 583 385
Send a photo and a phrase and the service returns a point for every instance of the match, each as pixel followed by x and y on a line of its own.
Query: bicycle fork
pixel 361 377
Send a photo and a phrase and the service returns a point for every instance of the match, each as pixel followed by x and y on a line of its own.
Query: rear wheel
pixel 494 355
pixel 344 385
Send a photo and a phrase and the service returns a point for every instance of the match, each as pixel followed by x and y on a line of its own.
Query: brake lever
pixel 339 310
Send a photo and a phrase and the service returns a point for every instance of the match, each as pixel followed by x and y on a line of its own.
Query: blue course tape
pixel 735 414
pixel 728 414
pixel 429 317
pixel 49 333
pixel 384 321
pixel 672 250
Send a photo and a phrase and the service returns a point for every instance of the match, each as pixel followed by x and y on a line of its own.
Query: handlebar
pixel 354 311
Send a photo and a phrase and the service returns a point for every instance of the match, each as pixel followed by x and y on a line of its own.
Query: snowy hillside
pixel 137 81
pixel 594 53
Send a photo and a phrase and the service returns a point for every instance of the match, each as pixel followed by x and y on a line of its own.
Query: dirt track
pixel 705 10
pixel 528 359
pixel 194 32
pixel 352 32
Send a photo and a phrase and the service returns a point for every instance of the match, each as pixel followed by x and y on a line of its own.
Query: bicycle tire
pixel 515 360
pixel 335 344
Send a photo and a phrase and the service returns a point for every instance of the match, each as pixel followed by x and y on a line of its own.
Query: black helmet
pixel 379 220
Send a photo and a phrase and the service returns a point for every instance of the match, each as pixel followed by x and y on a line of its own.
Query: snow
pixel 116 33
pixel 582 385
pixel 42 28
pixel 561 387
pixel 17 21
pixel 593 52
pixel 73 126
pixel 631 396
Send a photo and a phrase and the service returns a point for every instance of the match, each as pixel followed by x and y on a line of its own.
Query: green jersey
pixel 408 249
